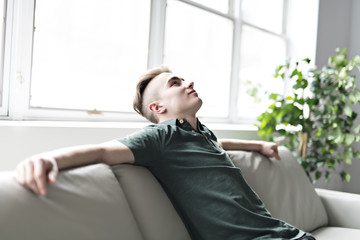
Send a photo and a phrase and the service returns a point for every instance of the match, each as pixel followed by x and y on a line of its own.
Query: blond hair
pixel 140 104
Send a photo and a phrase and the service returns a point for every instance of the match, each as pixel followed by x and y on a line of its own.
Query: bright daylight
pixel 180 119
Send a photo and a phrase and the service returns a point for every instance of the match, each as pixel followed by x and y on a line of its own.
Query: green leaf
pixel 307 60
pixel 345 176
pixel 348 111
pixel 330 163
pixel 357 154
pixel 318 175
pixel 339 139
pixel 357 129
pixel 277 71
pixel 294 73
pixel 327 177
pixel 357 96
pixel 348 155
pixel 348 177
pixel 349 139
pixel 339 60
pixel 273 96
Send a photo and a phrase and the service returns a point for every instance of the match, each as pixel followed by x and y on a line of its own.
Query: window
pixel 264 14
pixel 263 47
pixel 200 48
pixel 79 60
pixel 87 54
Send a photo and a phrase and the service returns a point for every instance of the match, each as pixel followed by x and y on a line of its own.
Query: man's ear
pixel 157 108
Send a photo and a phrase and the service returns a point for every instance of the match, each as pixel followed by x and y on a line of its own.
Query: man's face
pixel 176 95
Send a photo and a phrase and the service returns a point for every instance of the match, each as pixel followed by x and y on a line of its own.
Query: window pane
pixel 220 5
pixel 198 46
pixel 2 37
pixel 260 54
pixel 88 53
pixel 264 13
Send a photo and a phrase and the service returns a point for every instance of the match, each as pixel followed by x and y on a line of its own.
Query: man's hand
pixel 36 171
pixel 270 149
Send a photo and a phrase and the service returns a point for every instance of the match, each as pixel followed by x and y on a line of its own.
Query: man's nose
pixel 189 85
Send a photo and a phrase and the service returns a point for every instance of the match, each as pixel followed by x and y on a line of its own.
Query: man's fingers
pixel 20 174
pixel 52 171
pixel 40 176
pixel 29 177
pixel 52 176
pixel 34 173
pixel 275 152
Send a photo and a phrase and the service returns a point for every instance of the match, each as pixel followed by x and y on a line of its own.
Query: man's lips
pixel 192 91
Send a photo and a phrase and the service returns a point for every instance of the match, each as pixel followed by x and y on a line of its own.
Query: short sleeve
pixel 145 144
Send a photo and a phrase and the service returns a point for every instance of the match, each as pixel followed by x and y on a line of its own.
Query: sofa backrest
pixel 283 187
pixel 153 211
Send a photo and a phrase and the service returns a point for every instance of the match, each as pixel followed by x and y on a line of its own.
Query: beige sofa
pixel 126 202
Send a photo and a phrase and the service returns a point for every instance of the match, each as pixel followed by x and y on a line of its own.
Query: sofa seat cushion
pixel 283 187
pixel 329 233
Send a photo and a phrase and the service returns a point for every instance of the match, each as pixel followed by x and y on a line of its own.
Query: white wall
pixel 333 28
pixel 338 27
pixel 19 140
pixel 354 49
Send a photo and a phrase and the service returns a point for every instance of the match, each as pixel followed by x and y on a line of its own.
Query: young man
pixel 207 190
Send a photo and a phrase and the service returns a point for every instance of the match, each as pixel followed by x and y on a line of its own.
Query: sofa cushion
pixel 283 187
pixel 153 211
pixel 85 203
pixel 336 233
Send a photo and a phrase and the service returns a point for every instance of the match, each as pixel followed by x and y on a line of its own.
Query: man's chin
pixel 199 104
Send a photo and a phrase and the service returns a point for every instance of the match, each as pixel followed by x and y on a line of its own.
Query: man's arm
pixel 269 149
pixel 35 171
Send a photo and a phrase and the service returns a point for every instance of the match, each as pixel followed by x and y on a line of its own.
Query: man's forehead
pixel 164 77
pixel 158 81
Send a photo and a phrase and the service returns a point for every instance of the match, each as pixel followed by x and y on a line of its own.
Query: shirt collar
pixel 184 124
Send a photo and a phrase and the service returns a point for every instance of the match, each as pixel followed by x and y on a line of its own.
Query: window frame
pixel 6 40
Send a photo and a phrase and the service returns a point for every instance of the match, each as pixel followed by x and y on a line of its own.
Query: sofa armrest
pixel 343 209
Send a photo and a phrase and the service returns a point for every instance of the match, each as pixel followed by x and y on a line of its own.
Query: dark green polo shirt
pixel 207 190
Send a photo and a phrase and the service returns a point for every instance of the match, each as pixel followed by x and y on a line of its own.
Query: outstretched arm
pixel 268 149
pixel 36 171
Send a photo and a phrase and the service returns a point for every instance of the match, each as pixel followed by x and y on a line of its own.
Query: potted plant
pixel 315 120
